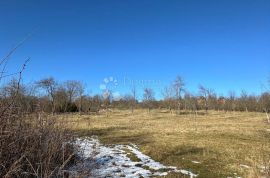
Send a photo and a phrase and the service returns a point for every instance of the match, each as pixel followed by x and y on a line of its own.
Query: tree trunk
pixel 53 108
pixel 267 115
pixel 170 108
pixel 132 109
pixel 178 107
pixel 80 109
pixel 107 112
pixel 196 115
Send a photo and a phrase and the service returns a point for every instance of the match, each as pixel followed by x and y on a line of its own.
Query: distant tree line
pixel 48 95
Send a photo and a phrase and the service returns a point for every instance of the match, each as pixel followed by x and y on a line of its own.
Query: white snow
pixel 101 161
pixel 244 166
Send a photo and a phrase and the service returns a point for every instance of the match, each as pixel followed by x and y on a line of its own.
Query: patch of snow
pixel 196 162
pixel 235 176
pixel 244 166
pixel 101 161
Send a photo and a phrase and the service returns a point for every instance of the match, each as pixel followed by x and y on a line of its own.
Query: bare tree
pixel 61 100
pixel 80 89
pixel 191 104
pixel 50 87
pixel 231 101
pixel 244 100
pixel 178 86
pixel 133 98
pixel 205 95
pixel 148 97
pixel 107 98
pixel 190 101
pixel 212 100
pixel 96 103
pixel 168 97
pixel 74 89
pixel 265 104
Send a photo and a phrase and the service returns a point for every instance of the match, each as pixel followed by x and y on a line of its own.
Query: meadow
pixel 213 144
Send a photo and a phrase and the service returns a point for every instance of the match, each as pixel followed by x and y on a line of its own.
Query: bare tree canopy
pixel 50 86
pixel 148 97
pixel 205 94
pixel 148 94
pixel 178 86
pixel 73 89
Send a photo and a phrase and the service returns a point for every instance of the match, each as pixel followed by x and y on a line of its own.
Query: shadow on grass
pixel 100 131
pixel 210 163
pixel 116 135
pixel 188 150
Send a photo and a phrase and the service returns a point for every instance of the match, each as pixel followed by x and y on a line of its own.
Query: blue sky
pixel 224 45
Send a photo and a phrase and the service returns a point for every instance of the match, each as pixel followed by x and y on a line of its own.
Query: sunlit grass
pixel 221 142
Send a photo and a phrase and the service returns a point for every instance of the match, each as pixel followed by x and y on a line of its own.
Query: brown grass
pixel 221 142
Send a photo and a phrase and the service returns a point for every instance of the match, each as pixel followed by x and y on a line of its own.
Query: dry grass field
pixel 216 144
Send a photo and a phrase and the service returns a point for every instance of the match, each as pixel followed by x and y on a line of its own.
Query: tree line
pixel 49 95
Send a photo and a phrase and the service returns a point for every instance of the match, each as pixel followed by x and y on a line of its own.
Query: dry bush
pixel 32 146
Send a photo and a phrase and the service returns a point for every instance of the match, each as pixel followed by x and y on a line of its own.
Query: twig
pixel 17 89
pixel 5 58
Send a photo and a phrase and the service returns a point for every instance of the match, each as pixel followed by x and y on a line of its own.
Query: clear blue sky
pixel 222 44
